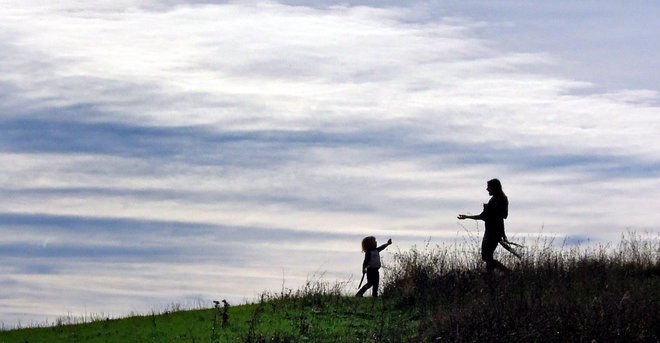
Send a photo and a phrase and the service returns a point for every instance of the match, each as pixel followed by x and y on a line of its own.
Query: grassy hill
pixel 440 294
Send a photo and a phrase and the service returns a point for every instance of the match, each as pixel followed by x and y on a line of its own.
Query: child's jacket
pixel 372 258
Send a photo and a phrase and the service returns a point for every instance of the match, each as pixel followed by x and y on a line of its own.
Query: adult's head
pixel 494 187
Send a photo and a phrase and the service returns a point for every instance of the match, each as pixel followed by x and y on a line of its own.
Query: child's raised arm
pixel 382 247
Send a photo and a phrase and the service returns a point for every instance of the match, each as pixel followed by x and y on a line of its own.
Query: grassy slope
pixel 310 318
pixel 607 295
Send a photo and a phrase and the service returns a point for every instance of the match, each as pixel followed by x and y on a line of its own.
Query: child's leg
pixel 373 277
pixel 372 281
pixel 363 289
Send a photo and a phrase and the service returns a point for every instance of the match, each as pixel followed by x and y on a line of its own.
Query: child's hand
pixel 389 241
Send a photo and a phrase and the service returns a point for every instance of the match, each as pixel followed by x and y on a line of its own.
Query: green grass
pixel 439 294
pixel 321 317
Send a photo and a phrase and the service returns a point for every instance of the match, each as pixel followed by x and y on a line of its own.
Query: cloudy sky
pixel 159 152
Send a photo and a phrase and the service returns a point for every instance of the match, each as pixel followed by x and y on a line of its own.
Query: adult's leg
pixel 495 264
pixel 488 246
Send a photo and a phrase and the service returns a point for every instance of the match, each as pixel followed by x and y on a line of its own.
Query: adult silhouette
pixel 493 215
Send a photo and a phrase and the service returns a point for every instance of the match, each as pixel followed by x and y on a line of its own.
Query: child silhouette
pixel 371 264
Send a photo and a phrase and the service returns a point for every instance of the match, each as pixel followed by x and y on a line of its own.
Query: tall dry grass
pixel 552 294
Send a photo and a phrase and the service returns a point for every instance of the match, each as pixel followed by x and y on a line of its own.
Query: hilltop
pixel 437 294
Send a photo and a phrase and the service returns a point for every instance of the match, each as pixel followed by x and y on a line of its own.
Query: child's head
pixel 368 243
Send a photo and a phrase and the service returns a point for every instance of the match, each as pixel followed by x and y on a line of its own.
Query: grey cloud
pixel 95 251
pixel 210 196
pixel 273 146
pixel 145 229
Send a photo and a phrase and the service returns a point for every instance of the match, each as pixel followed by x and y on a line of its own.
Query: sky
pixel 160 153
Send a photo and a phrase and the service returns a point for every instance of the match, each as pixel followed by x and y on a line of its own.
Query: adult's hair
pixel 368 243
pixel 496 186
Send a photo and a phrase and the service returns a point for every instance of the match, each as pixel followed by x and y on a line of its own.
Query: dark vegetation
pixel 551 295
pixel 431 294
